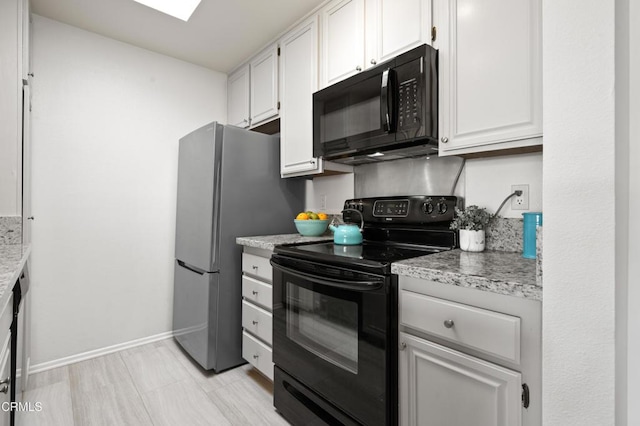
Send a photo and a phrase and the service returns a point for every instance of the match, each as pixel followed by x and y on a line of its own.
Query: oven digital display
pixel 391 208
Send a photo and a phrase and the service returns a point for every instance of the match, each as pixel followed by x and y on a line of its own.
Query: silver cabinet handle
pixel 373 62
pixel 448 324
pixel 403 346
pixel 255 268
pixel 256 356
pixel 255 293
pixel 444 139
pixel 312 162
pixel 30 218
pixel 5 381
pixel 358 68
pixel 254 322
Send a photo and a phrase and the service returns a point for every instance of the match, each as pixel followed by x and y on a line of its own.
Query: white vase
pixel 471 240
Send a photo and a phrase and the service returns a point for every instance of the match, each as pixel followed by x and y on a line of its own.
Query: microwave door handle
pixel 330 282
pixel 386 100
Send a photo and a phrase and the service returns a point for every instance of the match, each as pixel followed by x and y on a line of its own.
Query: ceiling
pixel 220 34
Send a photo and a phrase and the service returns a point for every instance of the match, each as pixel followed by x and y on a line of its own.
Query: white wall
pixel 579 208
pixel 632 409
pixel 488 182
pixel 107 117
pixel 336 188
pixel 10 108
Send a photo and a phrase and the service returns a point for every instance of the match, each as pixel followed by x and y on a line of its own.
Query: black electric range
pixel 335 311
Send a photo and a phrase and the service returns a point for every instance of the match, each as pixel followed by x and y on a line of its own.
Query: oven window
pixel 324 325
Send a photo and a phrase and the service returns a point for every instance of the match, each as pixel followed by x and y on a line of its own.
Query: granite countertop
pixel 494 271
pixel 12 259
pixel 269 242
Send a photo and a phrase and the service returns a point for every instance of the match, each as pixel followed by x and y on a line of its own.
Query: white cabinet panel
pixel 258 354
pixel 440 386
pixel 342 41
pixel 298 81
pixel 257 321
pixel 264 85
pixel 399 26
pixel 238 97
pixel 490 74
pixel 257 292
pixel 257 265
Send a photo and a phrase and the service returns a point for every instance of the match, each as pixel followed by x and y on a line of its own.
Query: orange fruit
pixel 302 216
pixel 322 216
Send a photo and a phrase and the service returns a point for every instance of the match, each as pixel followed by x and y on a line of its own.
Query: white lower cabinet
pixel 441 386
pixel 467 356
pixel 257 306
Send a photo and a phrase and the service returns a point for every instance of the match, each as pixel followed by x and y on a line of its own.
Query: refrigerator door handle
pixel 191 268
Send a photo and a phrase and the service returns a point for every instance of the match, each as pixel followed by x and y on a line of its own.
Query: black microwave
pixel 389 109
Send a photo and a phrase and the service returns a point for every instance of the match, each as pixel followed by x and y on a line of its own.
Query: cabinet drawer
pixel 258 354
pixel 257 321
pixel 6 316
pixel 5 373
pixel 257 292
pixel 257 266
pixel 486 331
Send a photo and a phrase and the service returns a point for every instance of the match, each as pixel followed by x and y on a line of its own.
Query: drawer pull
pixel 256 356
pixel 4 389
pixel 254 322
pixel 403 346
pixel 255 293
pixel 255 268
pixel 448 324
pixel 5 381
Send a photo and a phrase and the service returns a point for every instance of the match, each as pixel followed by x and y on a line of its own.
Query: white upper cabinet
pixel 264 85
pixel 298 81
pixel 399 26
pixel 490 76
pixel 343 48
pixel 238 97
pixel 359 34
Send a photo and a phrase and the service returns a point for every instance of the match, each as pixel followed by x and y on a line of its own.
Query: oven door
pixel 334 332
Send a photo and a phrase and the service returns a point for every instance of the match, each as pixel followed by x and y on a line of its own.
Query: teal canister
pixel 531 220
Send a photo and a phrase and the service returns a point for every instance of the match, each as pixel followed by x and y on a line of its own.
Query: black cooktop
pixel 372 256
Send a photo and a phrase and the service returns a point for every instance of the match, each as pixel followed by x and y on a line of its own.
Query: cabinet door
pixel 490 74
pixel 342 51
pixel 298 81
pixel 238 98
pixel 398 25
pixel 440 386
pixel 264 85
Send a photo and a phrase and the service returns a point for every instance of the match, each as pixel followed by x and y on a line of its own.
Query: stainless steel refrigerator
pixel 229 185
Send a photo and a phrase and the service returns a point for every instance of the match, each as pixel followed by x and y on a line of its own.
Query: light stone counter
pixel 12 260
pixel 269 242
pixel 494 271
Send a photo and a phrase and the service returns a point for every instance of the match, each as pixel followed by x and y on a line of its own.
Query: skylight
pixel 181 9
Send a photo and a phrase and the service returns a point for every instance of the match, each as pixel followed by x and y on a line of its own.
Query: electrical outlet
pixel 520 202
pixel 323 202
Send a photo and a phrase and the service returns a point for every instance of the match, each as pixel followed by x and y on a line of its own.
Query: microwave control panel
pixel 409 104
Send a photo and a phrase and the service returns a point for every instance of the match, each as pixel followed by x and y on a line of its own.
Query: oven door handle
pixel 331 282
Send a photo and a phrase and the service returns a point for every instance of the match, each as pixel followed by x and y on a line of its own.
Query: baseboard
pixel 44 366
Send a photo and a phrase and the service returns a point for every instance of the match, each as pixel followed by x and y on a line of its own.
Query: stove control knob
pixel 442 208
pixel 427 208
pixel 360 207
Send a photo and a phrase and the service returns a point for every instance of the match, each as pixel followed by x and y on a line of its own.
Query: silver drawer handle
pixel 256 356
pixel 254 322
pixel 444 139
pixel 255 268
pixel 255 293
pixel 358 68
pixel 4 389
pixel 5 381
pixel 448 324
pixel 403 346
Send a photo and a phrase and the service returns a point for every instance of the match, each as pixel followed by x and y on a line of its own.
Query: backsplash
pixel 504 234
pixel 10 230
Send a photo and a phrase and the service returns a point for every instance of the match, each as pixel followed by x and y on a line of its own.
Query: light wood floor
pixel 155 384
